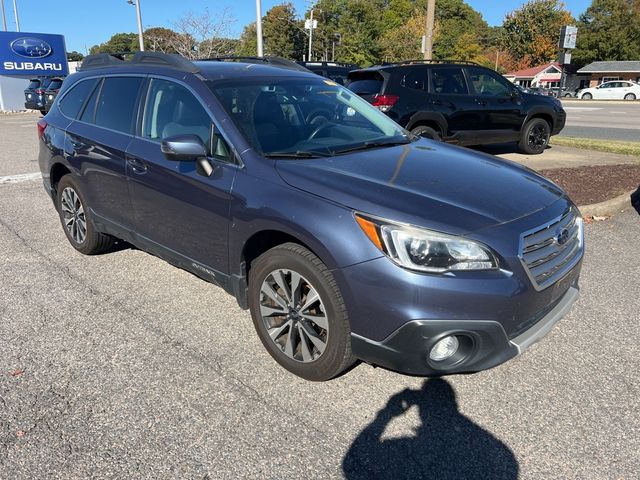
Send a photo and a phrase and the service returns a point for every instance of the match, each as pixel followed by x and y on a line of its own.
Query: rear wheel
pixel 535 136
pixel 586 96
pixel 76 221
pixel 630 96
pixel 299 314
pixel 427 132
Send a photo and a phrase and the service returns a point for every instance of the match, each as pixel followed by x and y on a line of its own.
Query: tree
pixel 609 30
pixel 530 34
pixel 160 39
pixel 118 43
pixel 247 45
pixel 404 41
pixel 204 35
pixel 282 33
pixel 74 56
pixel 461 32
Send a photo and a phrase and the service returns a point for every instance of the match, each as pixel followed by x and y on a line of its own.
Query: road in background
pixel 602 120
pixel 120 365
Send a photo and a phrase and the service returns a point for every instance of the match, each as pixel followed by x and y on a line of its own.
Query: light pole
pixel 310 35
pixel 259 28
pixel 15 12
pixel 4 17
pixel 431 10
pixel 139 15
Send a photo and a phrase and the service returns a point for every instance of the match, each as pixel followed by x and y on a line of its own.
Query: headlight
pixel 425 250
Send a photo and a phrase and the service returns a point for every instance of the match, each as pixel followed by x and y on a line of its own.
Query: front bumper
pixel 407 349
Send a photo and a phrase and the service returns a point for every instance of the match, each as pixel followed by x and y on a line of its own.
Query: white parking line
pixel 586 109
pixel 21 177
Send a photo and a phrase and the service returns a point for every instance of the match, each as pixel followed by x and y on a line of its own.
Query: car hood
pixel 425 183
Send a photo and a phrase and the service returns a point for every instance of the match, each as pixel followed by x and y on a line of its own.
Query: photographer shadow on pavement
pixel 447 445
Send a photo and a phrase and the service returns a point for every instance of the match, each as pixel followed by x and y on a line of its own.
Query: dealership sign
pixel 32 54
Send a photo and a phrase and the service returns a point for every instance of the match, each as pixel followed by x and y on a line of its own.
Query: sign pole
pixel 4 17
pixel 259 46
pixel 15 12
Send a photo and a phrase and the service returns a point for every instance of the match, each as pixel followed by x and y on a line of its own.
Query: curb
pixel 608 207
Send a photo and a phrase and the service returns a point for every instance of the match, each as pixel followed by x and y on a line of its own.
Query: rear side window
pixel 449 81
pixel 73 100
pixel 416 79
pixel 117 103
pixel 55 84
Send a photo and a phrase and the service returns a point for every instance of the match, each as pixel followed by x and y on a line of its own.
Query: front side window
pixel 449 81
pixel 171 110
pixel 117 103
pixel 73 100
pixel 303 116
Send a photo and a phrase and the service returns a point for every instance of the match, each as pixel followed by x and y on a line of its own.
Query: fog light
pixel 445 348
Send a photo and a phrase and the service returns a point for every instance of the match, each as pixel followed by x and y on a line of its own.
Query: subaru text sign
pixel 23 53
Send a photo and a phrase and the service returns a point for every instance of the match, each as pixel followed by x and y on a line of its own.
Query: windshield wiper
pixel 373 144
pixel 296 154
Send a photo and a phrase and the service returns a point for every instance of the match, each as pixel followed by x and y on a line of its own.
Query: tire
pixel 586 96
pixel 630 96
pixel 567 95
pixel 427 132
pixel 535 136
pixel 285 336
pixel 76 220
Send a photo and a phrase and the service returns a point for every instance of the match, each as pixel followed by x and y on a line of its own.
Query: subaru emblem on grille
pixel 562 236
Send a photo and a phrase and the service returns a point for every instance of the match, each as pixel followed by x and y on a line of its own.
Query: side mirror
pixel 183 148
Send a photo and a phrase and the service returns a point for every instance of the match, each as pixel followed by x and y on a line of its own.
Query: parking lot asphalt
pixel 605 120
pixel 122 366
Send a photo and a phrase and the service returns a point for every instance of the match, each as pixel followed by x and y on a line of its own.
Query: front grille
pixel 549 251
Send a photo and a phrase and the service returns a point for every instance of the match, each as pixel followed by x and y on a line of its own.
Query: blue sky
pixel 87 22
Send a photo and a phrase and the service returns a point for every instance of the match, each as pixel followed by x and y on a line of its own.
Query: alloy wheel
pixel 538 137
pixel 294 315
pixel 73 215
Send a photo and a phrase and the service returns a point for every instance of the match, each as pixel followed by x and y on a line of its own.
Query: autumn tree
pixel 531 32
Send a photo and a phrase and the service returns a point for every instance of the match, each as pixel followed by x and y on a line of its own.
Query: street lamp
pixel 259 28
pixel 139 15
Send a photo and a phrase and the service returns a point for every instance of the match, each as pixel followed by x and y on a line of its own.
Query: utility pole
pixel 15 12
pixel 259 28
pixel 310 35
pixel 497 57
pixel 139 15
pixel 4 17
pixel 431 14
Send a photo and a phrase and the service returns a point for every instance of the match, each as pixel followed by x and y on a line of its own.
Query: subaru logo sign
pixel 30 47
pixel 562 237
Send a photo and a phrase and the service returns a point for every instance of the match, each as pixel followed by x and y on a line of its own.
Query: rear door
pixel 451 97
pixel 97 142
pixel 176 208
pixel 499 108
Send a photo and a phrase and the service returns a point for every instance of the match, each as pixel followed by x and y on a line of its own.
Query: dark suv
pixel 462 103
pixel 34 93
pixel 348 238
pixel 51 92
pixel 338 72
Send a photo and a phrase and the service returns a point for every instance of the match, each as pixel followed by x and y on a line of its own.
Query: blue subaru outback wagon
pixel 344 235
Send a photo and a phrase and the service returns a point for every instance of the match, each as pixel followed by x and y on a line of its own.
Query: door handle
pixel 137 165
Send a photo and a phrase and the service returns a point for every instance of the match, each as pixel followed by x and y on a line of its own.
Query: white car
pixel 616 90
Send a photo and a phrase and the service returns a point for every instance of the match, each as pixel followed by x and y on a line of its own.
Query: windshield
pixel 304 117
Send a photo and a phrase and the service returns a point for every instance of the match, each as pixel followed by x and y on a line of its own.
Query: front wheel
pixel 299 314
pixel 630 96
pixel 535 136
pixel 586 96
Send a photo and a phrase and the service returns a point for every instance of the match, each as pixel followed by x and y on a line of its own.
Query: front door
pixel 177 209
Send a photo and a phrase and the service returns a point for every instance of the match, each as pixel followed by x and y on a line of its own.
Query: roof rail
pixel 410 62
pixel 325 63
pixel 268 59
pixel 99 60
pixel 170 60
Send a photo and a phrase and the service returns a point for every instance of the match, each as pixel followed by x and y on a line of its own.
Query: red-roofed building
pixel 548 76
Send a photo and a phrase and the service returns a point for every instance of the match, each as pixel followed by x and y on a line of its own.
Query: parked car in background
pixel 34 93
pixel 347 239
pixel 564 93
pixel 335 71
pixel 615 90
pixel 460 102
pixel 540 91
pixel 51 92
